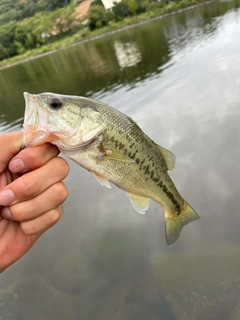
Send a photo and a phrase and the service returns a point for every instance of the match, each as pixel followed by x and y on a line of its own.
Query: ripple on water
pixel 10 127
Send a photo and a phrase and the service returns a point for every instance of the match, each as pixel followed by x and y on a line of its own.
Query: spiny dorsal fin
pixel 168 156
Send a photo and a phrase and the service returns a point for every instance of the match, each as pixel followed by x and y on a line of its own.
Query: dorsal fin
pixel 168 156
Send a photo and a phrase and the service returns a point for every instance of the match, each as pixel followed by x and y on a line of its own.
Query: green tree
pixel 16 37
pixel 7 33
pixel 132 6
pixel 17 10
pixel 98 17
pixel 40 24
pixel 3 52
pixel 52 5
pixel 10 15
pixel 28 9
pixel 142 5
pixel 24 39
pixel 97 3
pixel 129 7
pixel 120 10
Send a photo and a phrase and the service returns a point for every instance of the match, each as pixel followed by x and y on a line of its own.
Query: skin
pixel 31 195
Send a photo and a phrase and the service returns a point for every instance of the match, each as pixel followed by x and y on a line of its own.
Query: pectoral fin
pixel 101 179
pixel 116 155
pixel 140 204
pixel 168 156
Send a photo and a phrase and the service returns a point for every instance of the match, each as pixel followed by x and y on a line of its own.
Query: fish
pixel 112 147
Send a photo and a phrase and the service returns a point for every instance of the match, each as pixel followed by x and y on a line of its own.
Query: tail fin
pixel 174 225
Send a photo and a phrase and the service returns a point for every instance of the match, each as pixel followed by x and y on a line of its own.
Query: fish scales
pixel 148 160
pixel 112 147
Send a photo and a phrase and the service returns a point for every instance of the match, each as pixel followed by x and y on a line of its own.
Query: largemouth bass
pixel 112 147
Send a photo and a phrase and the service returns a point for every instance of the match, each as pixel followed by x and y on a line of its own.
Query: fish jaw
pixel 35 124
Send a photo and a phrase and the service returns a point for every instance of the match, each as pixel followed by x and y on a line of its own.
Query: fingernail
pixel 5 213
pixel 16 165
pixel 6 197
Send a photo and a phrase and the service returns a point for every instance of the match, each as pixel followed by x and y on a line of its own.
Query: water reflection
pixel 104 260
pixel 128 54
pixel 5 126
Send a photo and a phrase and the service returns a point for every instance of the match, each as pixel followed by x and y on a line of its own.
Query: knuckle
pixel 32 157
pixel 26 210
pixel 60 191
pixel 48 220
pixel 63 165
pixel 55 216
pixel 27 188
pixel 28 229
pixel 17 212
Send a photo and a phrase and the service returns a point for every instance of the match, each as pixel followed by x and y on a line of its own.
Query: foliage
pixel 129 8
pixel 15 10
pixel 97 3
pixel 49 30
pixel 120 10
pixel 63 20
pixel 132 6
pixel 6 40
pixel 18 37
pixel 98 17
pixel 142 5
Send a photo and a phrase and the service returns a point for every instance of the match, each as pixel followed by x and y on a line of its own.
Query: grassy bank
pixel 82 34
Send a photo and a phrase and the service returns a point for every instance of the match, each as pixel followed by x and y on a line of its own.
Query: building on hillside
pixel 108 4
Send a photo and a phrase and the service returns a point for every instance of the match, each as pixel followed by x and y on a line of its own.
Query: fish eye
pixel 55 103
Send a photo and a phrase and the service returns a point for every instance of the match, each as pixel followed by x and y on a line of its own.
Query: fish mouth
pixel 35 130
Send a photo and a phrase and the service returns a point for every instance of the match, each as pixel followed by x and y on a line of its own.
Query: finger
pixel 31 209
pixel 10 144
pixel 33 183
pixel 42 223
pixel 5 178
pixel 32 158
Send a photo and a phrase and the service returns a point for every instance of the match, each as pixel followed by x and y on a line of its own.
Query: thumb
pixel 10 145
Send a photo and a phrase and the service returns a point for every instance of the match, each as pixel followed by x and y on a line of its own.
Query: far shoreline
pixel 91 38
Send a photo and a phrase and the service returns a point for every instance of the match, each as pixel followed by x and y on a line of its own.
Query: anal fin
pixel 101 179
pixel 140 204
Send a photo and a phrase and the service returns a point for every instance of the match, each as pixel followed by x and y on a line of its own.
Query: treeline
pixel 18 37
pixel 16 10
pixel 30 24
pixel 99 17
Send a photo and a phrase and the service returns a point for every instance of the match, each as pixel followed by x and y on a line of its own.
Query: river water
pixel 178 77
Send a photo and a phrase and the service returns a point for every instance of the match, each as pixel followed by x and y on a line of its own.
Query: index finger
pixel 10 145
pixel 32 158
pixel 33 183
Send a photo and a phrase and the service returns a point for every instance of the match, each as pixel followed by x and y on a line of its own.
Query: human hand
pixel 31 194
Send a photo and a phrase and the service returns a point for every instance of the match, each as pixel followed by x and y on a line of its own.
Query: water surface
pixel 179 78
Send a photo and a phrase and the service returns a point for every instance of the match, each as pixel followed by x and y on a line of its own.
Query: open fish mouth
pixel 35 124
